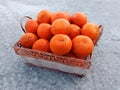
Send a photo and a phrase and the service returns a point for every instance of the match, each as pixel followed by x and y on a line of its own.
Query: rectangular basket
pixel 52 61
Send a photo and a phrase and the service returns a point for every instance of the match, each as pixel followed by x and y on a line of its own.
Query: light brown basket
pixel 49 60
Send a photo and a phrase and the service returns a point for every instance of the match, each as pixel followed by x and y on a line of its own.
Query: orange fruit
pixel 59 15
pixel 82 46
pixel 74 31
pixel 91 30
pixel 31 26
pixel 60 26
pixel 60 44
pixel 44 16
pixel 44 31
pixel 28 39
pixel 79 18
pixel 42 45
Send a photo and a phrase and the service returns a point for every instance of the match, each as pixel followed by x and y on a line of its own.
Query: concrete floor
pixel 104 73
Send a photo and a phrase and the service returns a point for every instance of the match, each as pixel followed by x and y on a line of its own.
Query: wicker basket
pixel 52 61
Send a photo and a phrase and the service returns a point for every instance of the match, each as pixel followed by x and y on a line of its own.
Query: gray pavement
pixel 104 73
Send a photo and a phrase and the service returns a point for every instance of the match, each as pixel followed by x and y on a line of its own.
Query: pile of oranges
pixel 61 33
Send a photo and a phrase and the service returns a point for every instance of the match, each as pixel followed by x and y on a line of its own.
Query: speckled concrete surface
pixel 104 73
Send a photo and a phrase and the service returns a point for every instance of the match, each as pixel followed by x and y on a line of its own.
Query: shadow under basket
pixel 49 60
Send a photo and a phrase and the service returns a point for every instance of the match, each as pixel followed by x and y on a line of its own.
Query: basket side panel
pixel 76 62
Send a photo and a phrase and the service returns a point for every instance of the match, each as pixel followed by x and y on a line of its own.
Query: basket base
pixel 55 66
